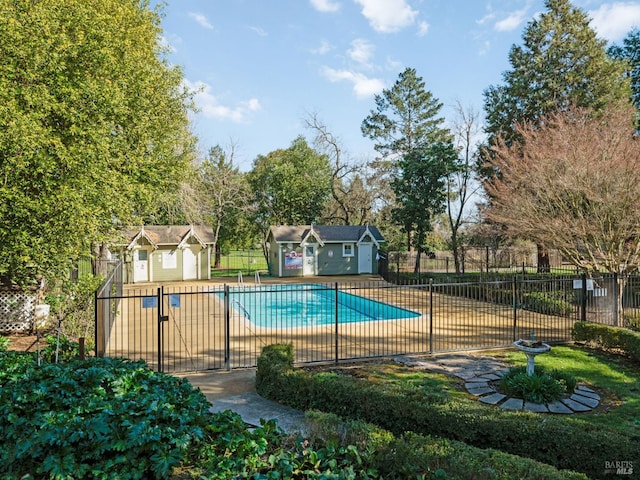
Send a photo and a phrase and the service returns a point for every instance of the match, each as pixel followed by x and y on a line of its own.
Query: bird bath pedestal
pixel 531 348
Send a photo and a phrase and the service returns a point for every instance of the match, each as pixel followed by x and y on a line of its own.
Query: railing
pixel 222 327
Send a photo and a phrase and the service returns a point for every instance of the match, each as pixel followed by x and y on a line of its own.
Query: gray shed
pixel 308 250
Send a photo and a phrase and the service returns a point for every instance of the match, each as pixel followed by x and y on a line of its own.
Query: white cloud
pixel 361 51
pixel 487 18
pixel 512 21
pixel 423 29
pixel 259 31
pixel 613 21
pixel 211 107
pixel 363 86
pixel 387 16
pixel 201 19
pixel 324 48
pixel 325 6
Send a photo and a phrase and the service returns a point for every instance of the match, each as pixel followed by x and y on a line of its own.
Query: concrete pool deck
pixel 195 335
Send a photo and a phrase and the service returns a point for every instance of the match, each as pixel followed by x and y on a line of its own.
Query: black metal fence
pixel 213 326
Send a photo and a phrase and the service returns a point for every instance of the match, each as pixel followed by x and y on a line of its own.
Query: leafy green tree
pixel 291 186
pixel 629 51
pixel 421 190
pixel 404 126
pixel 561 63
pixel 93 128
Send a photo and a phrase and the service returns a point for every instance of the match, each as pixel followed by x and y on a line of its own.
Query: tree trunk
pixel 416 268
pixel 544 265
pixel 100 260
pixel 455 249
pixel 217 255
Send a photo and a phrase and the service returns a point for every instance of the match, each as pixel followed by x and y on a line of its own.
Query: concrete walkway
pixel 236 391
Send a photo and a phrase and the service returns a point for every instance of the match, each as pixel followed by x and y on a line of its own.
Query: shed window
pixel 347 250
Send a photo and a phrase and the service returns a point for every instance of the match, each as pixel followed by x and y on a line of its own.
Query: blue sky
pixel 263 66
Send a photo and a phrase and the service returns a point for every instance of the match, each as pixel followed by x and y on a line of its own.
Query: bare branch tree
pixel 461 186
pixel 573 184
pixel 351 201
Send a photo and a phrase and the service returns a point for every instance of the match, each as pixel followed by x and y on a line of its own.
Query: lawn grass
pixel 616 379
pixel 245 261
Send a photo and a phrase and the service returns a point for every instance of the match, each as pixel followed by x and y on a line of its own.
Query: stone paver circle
pixel 479 372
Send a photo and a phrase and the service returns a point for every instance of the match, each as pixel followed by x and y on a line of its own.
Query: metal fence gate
pixel 213 326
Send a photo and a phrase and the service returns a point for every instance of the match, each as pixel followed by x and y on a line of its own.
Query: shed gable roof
pixel 161 235
pixel 326 233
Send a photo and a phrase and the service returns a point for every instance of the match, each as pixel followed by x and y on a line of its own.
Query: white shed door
pixel 189 265
pixel 309 260
pixel 140 266
pixel 365 254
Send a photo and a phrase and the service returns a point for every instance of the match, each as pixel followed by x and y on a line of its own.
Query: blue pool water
pixel 286 306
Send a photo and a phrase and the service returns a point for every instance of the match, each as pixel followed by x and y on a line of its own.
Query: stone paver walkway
pixel 479 372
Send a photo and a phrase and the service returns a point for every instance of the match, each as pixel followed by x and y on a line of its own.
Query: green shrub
pixel 632 321
pixel 565 442
pixel 550 303
pixel 608 338
pixel 541 387
pixel 4 343
pixel 101 418
pixel 59 349
pixel 417 456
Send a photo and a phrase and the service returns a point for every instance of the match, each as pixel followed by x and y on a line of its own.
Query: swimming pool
pixel 288 306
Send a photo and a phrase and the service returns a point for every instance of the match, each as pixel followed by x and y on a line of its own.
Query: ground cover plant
pixel 541 387
pixel 374 394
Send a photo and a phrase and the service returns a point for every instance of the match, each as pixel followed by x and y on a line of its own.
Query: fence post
pixel 227 335
pixel 583 313
pixel 336 321
pixel 160 320
pixel 514 292
pixel 96 332
pixel 616 300
pixel 431 315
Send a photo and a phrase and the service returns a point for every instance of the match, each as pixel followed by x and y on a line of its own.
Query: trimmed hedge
pixel 564 442
pixel 414 456
pixel 609 338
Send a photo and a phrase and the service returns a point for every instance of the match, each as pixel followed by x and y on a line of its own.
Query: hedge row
pixel 564 442
pixel 609 338
pixel 421 456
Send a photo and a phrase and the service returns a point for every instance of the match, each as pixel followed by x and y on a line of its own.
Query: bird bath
pixel 531 348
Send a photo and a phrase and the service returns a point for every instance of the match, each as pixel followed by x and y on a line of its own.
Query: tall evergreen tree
pixel 409 135
pixel 629 51
pixel 560 63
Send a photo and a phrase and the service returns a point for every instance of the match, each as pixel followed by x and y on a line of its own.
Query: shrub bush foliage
pixel 102 418
pixel 608 338
pixel 541 387
pixel 565 442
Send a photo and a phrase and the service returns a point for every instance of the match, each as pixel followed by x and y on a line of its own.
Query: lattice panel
pixel 17 310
